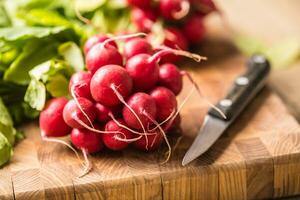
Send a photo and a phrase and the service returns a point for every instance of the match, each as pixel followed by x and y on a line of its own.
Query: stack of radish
pixel 122 99
pixel 182 20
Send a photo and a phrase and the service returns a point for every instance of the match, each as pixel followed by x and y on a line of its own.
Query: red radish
pixel 165 101
pixel 144 68
pixel 87 140
pixel 153 143
pixel 107 77
pixel 140 3
pixel 143 106
pixel 104 111
pixel 204 6
pixel 174 39
pixel 74 115
pixel 170 77
pixel 100 55
pixel 144 71
pixel 116 141
pixel 173 124
pixel 104 54
pixel 79 84
pixel 194 29
pixel 136 46
pixel 174 9
pixel 51 120
pixel 143 19
pixel 95 39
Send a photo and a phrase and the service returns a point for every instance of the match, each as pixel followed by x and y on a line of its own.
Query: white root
pixel 78 104
pixel 93 129
pixel 126 127
pixel 88 165
pixel 123 37
pixel 184 73
pixel 163 122
pixel 54 140
pixel 164 134
pixel 120 97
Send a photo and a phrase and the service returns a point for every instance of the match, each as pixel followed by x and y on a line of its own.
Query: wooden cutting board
pixel 257 158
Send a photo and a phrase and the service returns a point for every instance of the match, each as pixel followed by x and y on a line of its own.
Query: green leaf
pixel 5 150
pixel 25 33
pixel 43 17
pixel 4 19
pixel 6 124
pixel 30 112
pixel 34 53
pixel 36 95
pixel 92 5
pixel 72 55
pixel 57 86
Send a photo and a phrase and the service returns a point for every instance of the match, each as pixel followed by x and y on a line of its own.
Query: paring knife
pixel 244 89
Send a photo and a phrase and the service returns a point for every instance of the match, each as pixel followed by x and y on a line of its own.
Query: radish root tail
pixel 78 104
pixel 164 50
pixel 165 121
pixel 120 97
pixel 185 73
pixel 164 135
pixel 88 164
pixel 123 37
pixel 54 140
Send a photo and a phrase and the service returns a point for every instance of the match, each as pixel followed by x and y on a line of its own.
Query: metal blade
pixel 208 134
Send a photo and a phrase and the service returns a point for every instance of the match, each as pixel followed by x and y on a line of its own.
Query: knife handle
pixel 245 87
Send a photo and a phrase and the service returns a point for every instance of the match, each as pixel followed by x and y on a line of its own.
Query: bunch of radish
pixel 181 20
pixel 126 97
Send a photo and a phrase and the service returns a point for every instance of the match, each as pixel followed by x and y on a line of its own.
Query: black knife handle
pixel 245 87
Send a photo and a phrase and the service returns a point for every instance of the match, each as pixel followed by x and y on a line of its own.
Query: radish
pixel 170 77
pixel 87 140
pixel 194 29
pixel 173 124
pixel 79 84
pixel 144 68
pixel 51 119
pixel 140 107
pixel 52 124
pixel 78 112
pixel 103 112
pixel 95 39
pixel 108 78
pixel 119 140
pixel 136 46
pixel 174 9
pixel 204 6
pixel 165 101
pixel 104 54
pixel 174 39
pixel 144 71
pixel 140 3
pixel 149 142
pixel 143 19
pixel 100 55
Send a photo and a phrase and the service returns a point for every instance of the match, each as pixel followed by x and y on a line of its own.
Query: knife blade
pixel 244 89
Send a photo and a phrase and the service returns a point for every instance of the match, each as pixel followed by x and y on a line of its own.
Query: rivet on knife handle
pixel 244 89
